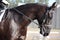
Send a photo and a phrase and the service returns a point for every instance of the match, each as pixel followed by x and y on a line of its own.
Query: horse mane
pixel 26 6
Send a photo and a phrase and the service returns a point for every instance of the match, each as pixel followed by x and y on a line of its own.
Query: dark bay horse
pixel 14 23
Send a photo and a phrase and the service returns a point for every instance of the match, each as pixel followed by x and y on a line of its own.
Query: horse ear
pixel 54 5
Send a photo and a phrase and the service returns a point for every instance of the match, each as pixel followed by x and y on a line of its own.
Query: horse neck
pixel 28 14
pixel 41 15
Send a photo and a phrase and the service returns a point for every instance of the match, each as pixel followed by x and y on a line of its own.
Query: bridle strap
pixel 43 17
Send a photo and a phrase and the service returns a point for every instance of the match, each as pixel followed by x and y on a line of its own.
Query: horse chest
pixel 16 30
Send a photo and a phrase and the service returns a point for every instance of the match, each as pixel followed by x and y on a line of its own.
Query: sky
pixel 51 2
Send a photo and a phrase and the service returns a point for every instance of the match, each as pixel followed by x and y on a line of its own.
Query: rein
pixel 26 16
pixel 42 17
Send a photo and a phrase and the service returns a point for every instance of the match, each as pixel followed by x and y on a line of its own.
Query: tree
pixel 43 1
pixel 46 1
pixel 13 3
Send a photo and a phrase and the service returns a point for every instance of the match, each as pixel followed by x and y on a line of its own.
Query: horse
pixel 15 20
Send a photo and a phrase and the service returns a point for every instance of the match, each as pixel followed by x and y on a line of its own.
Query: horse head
pixel 45 25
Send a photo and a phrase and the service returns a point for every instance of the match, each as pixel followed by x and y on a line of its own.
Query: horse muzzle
pixel 45 30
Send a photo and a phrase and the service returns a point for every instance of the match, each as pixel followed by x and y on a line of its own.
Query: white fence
pixel 57 16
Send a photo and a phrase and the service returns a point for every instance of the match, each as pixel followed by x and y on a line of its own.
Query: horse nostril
pixel 46 34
